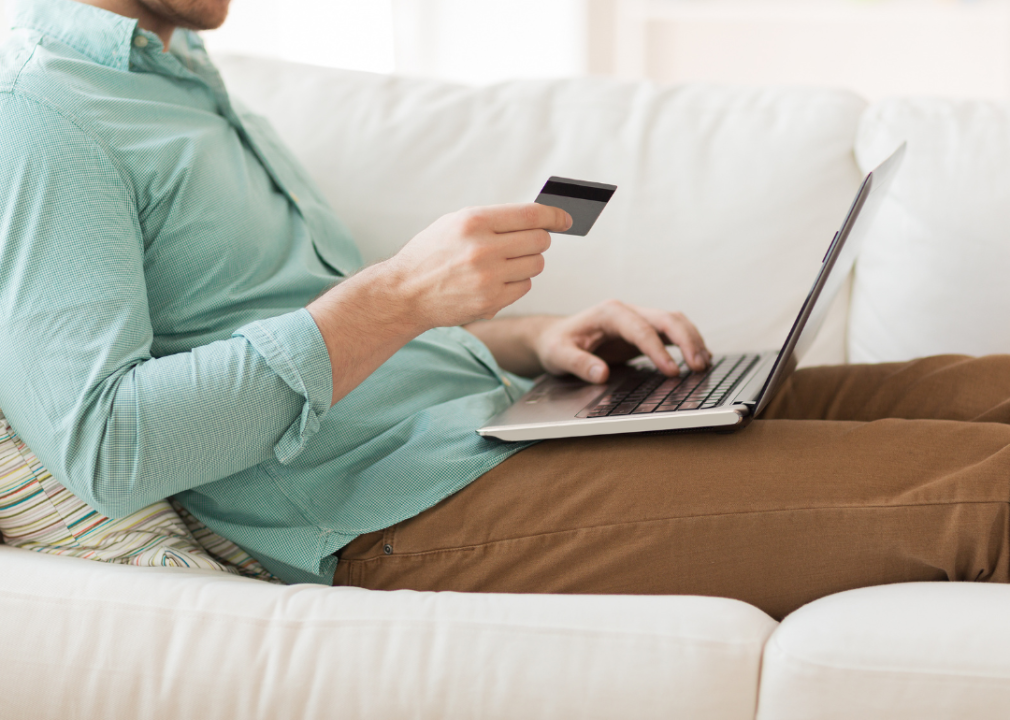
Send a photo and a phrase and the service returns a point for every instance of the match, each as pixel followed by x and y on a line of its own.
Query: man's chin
pixel 191 14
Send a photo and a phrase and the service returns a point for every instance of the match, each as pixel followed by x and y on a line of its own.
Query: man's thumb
pixel 585 365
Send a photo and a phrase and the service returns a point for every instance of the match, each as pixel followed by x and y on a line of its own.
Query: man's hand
pixel 609 333
pixel 466 266
pixel 614 332
pixel 470 264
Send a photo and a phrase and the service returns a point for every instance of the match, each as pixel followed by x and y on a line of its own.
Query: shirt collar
pixel 103 36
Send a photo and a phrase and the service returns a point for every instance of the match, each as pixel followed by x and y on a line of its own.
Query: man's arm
pixel 513 341
pixel 122 428
pixel 467 265
pixel 584 344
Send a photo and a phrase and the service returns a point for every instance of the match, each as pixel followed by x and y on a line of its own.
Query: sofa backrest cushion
pixel 727 197
pixel 933 276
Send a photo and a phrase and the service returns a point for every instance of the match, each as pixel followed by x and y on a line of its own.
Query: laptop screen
pixel 835 269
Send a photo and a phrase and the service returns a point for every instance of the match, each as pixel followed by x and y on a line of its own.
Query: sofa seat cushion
pixel 917 651
pixel 130 642
pixel 932 278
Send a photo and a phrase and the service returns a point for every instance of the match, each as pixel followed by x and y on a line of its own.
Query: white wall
pixel 469 41
pixel 484 41
pixel 887 47
pixel 353 34
pixel 954 48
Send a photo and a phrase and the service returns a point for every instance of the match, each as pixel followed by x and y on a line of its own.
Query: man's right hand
pixel 465 267
pixel 470 264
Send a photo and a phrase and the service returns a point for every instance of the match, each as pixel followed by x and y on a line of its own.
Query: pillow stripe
pixel 224 550
pixel 38 513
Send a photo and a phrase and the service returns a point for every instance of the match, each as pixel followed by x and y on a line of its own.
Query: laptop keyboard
pixel 648 391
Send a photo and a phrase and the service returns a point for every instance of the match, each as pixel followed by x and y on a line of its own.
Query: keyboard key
pixel 624 409
pixel 643 408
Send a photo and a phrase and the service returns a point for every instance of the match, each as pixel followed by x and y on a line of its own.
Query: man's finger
pixel 681 333
pixel 523 243
pixel 580 363
pixel 523 268
pixel 527 216
pixel 624 322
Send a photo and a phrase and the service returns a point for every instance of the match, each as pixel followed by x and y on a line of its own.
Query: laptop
pixel 734 390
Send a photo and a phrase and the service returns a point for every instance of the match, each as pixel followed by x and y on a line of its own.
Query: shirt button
pixel 295 198
pixel 505 382
pixel 140 41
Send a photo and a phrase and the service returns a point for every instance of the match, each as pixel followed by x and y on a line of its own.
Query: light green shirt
pixel 158 245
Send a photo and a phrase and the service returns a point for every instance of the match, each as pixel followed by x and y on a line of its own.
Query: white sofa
pixel 727 200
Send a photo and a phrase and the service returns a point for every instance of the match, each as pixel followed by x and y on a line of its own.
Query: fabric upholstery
pixel 921 651
pixel 38 513
pixel 147 643
pixel 727 197
pixel 932 277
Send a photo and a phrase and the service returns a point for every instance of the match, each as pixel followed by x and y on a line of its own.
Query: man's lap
pixel 780 513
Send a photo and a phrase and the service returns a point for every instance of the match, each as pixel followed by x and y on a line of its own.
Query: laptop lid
pixel 835 268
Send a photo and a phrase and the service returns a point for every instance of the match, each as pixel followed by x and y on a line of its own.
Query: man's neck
pixel 147 20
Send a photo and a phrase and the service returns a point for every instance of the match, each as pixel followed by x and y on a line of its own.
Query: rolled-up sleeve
pixel 116 425
pixel 294 349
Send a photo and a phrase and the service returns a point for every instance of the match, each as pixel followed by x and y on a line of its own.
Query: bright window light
pixel 352 34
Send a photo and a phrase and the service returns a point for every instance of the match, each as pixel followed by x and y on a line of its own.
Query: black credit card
pixel 581 199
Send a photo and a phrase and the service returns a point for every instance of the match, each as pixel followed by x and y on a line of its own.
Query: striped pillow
pixel 234 558
pixel 38 513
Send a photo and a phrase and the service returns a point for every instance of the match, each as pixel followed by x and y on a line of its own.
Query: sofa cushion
pixel 217 647
pixel 933 276
pixel 38 513
pixel 727 197
pixel 917 651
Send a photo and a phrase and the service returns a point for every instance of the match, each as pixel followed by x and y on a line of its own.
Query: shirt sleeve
pixel 117 426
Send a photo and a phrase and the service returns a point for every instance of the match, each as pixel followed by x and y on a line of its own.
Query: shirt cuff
pixel 293 347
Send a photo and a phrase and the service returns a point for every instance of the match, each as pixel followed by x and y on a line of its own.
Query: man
pixel 184 315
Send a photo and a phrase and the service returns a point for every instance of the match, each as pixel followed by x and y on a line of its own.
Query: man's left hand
pixel 614 332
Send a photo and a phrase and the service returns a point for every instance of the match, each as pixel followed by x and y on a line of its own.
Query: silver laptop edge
pixel 549 409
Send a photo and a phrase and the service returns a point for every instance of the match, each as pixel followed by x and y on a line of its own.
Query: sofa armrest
pixel 86 639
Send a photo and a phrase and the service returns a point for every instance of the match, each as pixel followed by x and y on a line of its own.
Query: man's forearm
pixel 363 321
pixel 512 341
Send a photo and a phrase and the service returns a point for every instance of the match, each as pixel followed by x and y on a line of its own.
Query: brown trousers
pixel 854 476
